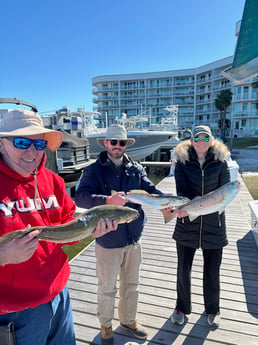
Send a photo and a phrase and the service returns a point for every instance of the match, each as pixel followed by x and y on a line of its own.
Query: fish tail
pixel 168 215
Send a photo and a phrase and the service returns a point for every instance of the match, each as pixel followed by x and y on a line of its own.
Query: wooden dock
pixel 239 286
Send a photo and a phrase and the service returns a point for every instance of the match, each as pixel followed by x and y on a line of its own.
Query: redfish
pixel 215 201
pixel 158 201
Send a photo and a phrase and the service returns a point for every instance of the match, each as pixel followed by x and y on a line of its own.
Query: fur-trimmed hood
pixel 218 148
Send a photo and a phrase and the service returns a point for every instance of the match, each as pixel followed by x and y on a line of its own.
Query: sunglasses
pixel 197 139
pixel 25 143
pixel 114 142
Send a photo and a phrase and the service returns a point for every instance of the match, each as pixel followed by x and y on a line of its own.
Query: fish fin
pixel 221 210
pixel 198 197
pixel 168 214
pixel 169 195
pixel 164 206
pixel 192 217
pixel 137 191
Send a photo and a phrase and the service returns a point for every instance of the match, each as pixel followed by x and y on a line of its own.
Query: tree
pixel 222 102
pixel 227 123
pixel 255 85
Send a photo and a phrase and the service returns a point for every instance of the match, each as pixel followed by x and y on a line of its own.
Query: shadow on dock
pixel 248 258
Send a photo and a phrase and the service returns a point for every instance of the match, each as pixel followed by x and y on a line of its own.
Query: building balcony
pixel 203 80
pixel 203 101
pixel 185 83
pixel 203 92
pixel 245 97
pixel 245 114
pixel 104 98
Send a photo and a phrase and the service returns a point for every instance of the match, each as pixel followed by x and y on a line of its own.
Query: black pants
pixel 211 282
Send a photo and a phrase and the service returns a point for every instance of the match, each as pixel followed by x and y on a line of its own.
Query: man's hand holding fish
pixel 20 250
pixel 104 226
pixel 180 213
pixel 117 198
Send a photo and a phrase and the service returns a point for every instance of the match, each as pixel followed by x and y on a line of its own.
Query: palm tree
pixel 255 85
pixel 222 102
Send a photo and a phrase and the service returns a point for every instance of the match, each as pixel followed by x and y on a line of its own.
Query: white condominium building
pixel 193 90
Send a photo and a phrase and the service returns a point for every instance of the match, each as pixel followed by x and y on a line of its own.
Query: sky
pixel 51 49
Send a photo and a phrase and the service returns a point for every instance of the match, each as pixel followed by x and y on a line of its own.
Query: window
pixel 238 96
pixel 238 107
pixel 243 123
pixel 246 92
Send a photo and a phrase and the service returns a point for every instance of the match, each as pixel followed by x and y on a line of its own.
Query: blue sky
pixel 51 49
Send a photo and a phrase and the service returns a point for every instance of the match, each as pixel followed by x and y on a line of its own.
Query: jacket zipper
pixel 201 225
pixel 219 220
pixel 200 236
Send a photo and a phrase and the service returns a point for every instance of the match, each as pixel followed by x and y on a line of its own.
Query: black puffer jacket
pixel 98 181
pixel 207 232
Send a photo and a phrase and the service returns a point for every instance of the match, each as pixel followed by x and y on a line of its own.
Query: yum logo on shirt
pixel 25 205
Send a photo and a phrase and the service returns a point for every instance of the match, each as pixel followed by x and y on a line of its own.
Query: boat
pixel 148 138
pixel 69 160
pixel 146 142
pixel 82 124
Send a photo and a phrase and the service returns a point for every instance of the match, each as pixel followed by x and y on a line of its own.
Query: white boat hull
pixel 146 142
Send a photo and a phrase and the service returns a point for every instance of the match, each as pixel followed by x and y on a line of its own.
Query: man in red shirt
pixel 34 273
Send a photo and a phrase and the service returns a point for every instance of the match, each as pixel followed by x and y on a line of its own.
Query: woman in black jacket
pixel 201 168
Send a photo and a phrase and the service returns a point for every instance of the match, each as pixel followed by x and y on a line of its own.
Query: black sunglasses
pixel 197 139
pixel 25 143
pixel 114 142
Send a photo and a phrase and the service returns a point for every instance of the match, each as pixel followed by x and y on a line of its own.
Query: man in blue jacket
pixel 117 252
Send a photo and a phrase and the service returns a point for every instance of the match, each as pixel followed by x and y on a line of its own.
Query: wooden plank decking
pixel 239 286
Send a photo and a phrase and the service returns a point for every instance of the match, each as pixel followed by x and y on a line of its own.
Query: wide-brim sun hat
pixel 22 122
pixel 116 132
pixel 202 129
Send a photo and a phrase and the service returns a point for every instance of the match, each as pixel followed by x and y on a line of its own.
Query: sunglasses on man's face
pixel 114 142
pixel 25 143
pixel 206 139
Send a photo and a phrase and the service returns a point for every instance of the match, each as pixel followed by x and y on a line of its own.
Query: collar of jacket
pixel 184 151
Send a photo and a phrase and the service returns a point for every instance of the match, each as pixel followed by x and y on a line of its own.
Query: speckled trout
pixel 79 228
pixel 215 201
pixel 158 201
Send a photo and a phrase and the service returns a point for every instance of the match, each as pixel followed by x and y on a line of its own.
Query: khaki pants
pixel 109 263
